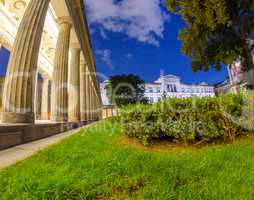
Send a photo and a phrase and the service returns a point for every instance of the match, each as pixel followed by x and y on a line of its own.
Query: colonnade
pixel 71 88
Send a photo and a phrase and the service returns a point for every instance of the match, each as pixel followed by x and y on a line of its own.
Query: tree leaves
pixel 126 89
pixel 217 31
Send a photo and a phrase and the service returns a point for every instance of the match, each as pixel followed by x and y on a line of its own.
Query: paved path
pixel 12 155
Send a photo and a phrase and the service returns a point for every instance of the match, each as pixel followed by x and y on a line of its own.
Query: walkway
pixel 13 155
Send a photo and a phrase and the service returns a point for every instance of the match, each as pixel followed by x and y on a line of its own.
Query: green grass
pixel 93 164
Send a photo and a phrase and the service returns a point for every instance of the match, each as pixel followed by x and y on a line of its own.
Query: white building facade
pixel 167 86
pixel 171 86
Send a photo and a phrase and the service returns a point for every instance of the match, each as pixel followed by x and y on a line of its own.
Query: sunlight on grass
pixel 93 165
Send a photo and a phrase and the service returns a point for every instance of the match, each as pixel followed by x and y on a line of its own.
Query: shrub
pixel 190 120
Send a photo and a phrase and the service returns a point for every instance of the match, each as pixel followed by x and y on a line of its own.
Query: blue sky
pixel 4 57
pixel 153 50
pixel 137 36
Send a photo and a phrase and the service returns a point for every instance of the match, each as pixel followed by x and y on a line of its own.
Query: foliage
pixel 190 120
pixel 217 31
pixel 93 164
pixel 126 89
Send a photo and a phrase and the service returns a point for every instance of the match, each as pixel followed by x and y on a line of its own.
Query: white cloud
pixel 105 56
pixel 143 20
pixel 128 55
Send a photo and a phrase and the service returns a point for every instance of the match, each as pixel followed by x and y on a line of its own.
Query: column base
pixel 59 119
pixel 83 116
pixel 13 118
pixel 77 120
pixel 74 117
pixel 44 116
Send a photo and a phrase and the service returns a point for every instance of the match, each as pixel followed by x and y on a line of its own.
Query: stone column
pixel 88 97
pixel 97 109
pixel 59 97
pixel 45 98
pixel 93 104
pixel 106 112
pixel 19 87
pixel 37 96
pixel 91 99
pixel 83 90
pixel 112 111
pixel 74 84
pixel 96 106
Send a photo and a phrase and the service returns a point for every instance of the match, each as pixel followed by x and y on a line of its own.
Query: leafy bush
pixel 190 120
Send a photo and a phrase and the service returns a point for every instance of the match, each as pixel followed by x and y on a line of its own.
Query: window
pixel 150 89
pixel 168 88
pixel 171 88
pixel 175 90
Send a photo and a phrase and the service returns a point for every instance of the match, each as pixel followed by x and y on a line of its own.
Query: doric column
pixel 83 90
pixel 106 112
pixel 74 84
pixel 87 91
pixel 37 96
pixel 112 111
pixel 59 97
pixel 95 106
pixel 45 98
pixel 90 99
pixel 93 103
pixel 19 87
pixel 97 109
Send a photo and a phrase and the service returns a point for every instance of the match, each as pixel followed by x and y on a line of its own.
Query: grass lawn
pixel 96 164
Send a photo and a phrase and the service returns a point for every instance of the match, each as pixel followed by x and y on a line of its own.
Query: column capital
pixel 64 20
pixel 5 42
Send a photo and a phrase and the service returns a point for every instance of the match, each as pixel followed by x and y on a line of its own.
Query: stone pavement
pixel 13 155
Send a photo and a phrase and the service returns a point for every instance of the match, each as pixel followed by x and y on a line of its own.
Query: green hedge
pixel 190 120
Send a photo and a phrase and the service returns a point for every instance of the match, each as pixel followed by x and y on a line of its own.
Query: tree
pixel 217 31
pixel 126 89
